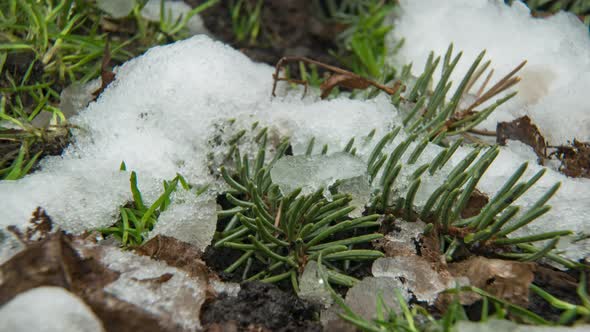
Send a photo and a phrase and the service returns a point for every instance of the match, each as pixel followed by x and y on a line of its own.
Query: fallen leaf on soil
pixel 75 264
pixel 175 253
pixel 53 261
pixel 523 130
pixel 575 159
pixel 557 283
pixel 414 259
pixel 509 280
pixel 417 276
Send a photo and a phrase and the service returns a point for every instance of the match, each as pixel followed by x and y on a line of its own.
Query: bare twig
pixel 341 77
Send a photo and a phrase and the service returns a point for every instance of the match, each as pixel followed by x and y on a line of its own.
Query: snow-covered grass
pixel 166 111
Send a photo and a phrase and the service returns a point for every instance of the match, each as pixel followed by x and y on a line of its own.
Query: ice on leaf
pixel 116 8
pixel 173 11
pixel 494 325
pixel 156 287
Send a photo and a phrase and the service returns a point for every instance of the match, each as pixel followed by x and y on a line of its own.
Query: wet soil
pixel 263 305
pixel 288 27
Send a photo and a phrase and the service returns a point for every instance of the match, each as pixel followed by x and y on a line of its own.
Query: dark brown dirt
pixel 260 304
pixel 557 283
pixel 16 67
pixel 288 27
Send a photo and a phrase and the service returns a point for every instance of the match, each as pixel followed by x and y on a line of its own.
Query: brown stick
pixel 283 60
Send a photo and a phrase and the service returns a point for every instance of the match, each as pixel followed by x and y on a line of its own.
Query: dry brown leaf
pixel 343 80
pixel 341 77
pixel 509 280
pixel 39 227
pixel 522 129
pixel 175 253
pixel 55 261
pixel 476 202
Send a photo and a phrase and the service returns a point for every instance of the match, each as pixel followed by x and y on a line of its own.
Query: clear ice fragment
pixel 312 287
pixel 321 171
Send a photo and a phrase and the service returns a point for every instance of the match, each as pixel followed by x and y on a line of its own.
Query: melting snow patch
pixel 320 171
pixel 159 116
pixel 553 90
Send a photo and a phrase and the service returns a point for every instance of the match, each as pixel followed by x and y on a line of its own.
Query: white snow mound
pixel 553 90
pixel 158 116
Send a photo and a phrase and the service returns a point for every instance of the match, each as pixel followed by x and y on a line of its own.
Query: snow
pixel 163 111
pixel 48 309
pixel 158 116
pixel 570 209
pixel 553 87
pixel 311 173
pixel 10 245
